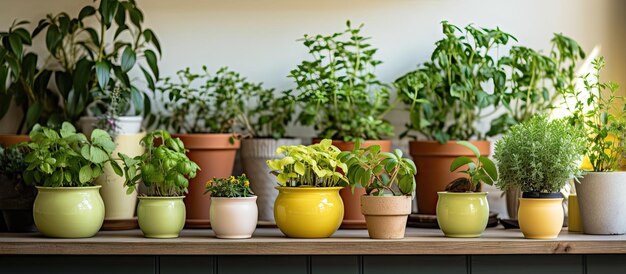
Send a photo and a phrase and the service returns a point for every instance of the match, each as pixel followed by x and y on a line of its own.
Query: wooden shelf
pixel 269 241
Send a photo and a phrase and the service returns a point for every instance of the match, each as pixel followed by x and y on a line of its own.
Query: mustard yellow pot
pixel 68 212
pixel 161 217
pixel 308 212
pixel 540 218
pixel 462 214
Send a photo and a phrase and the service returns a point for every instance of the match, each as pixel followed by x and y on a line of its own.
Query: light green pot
pixel 161 217
pixel 68 212
pixel 462 214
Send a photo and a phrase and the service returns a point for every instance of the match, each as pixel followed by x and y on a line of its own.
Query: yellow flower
pixel 247 183
pixel 209 182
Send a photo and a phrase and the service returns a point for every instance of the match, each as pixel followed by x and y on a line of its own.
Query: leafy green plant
pixel 206 103
pixel 22 82
pixel 464 84
pixel 316 165
pixel 164 168
pixel 231 187
pixel 338 90
pixel 540 155
pixel 593 110
pixel 94 60
pixel 448 94
pixel 271 115
pixel 380 173
pixel 65 158
pixel 481 170
pixel 12 162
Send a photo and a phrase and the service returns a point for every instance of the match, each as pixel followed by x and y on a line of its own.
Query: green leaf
pixel 103 73
pixel 470 146
pixel 85 174
pixel 128 59
pixel 53 39
pixel 137 100
pixel 33 114
pixel 116 168
pixel 16 45
pixel 459 162
pixel 489 167
pixel 97 155
pixel 67 129
pixel 299 168
pixel 152 62
pixel 86 11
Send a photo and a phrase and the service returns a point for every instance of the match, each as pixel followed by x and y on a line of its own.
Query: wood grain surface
pixel 269 241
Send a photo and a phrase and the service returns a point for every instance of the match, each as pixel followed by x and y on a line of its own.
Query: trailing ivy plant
pixel 164 169
pixel 22 82
pixel 448 94
pixel 94 60
pixel 222 103
pixel 338 90
pixel 231 187
pixel 481 170
pixel 540 155
pixel 380 173
pixel 316 165
pixel 593 109
pixel 65 158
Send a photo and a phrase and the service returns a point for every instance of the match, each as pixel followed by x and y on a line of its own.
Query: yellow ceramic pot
pixel 574 223
pixel 161 217
pixel 68 212
pixel 540 218
pixel 462 214
pixel 308 212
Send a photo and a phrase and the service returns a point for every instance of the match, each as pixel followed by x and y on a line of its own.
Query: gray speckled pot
pixel 254 154
pixel 602 202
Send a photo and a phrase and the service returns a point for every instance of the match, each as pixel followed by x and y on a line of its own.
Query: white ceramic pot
pixel 125 124
pixel 602 202
pixel 254 155
pixel 233 218
pixel 120 205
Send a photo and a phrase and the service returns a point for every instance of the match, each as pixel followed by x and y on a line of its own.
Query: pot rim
pixel 542 199
pixel 160 197
pixel 387 196
pixel 253 197
pixel 308 188
pixel 463 193
pixel 68 187
pixel 603 172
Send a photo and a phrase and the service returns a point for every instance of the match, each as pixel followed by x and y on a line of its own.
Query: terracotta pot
pixel 234 218
pixel 8 140
pixel 118 204
pixel 353 218
pixel 254 155
pixel 216 156
pixel 433 168
pixel 386 216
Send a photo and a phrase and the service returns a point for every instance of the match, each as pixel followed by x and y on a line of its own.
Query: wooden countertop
pixel 268 241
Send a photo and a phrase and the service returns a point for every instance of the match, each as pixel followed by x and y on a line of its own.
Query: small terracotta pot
pixel 352 217
pixel 433 168
pixel 234 218
pixel 8 140
pixel 386 216
pixel 216 156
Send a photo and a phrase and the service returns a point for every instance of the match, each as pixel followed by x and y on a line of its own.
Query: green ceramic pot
pixel 161 217
pixel 462 214
pixel 68 212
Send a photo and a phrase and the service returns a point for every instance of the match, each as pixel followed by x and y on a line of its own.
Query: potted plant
pixel 389 183
pixel 463 210
pixel 164 169
pixel 540 156
pixel 234 211
pixel 464 85
pixel 63 164
pixel 308 203
pixel 94 59
pixel 16 197
pixel 342 98
pixel 24 84
pixel 203 110
pixel 600 191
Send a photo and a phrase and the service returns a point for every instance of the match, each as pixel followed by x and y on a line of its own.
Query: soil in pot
pixel 353 218
pixel 254 155
pixel 216 156
pixel 386 216
pixel 433 168
pixel 541 215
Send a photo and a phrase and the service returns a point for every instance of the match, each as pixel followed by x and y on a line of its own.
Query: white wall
pixel 257 37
